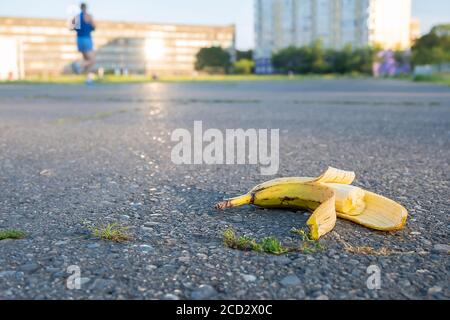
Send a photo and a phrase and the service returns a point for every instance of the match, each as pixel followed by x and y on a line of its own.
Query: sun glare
pixel 155 49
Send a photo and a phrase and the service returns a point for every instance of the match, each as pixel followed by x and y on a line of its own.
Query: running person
pixel 84 26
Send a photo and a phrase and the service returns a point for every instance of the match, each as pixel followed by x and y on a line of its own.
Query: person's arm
pixel 90 20
pixel 73 26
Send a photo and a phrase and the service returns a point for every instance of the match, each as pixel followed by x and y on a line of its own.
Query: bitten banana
pixel 329 196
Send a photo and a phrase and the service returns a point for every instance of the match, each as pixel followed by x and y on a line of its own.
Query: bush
pixel 244 66
pixel 315 59
pixel 213 60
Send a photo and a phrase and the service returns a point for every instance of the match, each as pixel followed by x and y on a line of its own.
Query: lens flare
pixel 155 49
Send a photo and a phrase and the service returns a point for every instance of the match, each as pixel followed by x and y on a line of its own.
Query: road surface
pixel 73 155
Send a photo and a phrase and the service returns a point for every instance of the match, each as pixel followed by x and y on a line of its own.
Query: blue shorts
pixel 85 44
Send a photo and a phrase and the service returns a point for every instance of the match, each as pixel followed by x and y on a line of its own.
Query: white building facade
pixel 336 23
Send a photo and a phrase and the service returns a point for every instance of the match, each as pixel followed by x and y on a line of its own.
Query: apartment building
pixel 336 23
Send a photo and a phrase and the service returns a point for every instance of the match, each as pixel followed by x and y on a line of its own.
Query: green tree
pixel 213 59
pixel 434 47
pixel 339 61
pixel 293 59
pixel 319 63
pixel 244 66
pixel 364 59
pixel 314 59
pixel 248 55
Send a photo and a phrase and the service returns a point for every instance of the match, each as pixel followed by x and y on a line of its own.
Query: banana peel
pixel 329 196
pixel 380 213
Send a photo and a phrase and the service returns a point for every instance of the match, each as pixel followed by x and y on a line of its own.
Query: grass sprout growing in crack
pixel 366 250
pixel 11 234
pixel 111 232
pixel 272 245
pixel 269 245
pixel 307 245
pixel 244 243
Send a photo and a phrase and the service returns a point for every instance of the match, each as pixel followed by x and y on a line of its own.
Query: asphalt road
pixel 74 155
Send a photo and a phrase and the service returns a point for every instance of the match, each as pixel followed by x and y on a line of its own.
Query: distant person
pixel 84 25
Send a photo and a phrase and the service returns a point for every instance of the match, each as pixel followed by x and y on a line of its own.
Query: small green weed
pixel 271 245
pixel 11 234
pixel 307 245
pixel 268 245
pixel 111 232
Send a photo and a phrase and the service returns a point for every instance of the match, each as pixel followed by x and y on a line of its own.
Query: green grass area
pixel 11 234
pixel 70 79
pixel 112 79
pixel 437 78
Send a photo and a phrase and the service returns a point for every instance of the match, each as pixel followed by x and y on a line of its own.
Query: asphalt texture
pixel 73 156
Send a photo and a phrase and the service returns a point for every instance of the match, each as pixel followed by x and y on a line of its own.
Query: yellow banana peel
pixel 380 213
pixel 329 196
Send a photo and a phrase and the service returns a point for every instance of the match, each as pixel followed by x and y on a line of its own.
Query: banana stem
pixel 234 202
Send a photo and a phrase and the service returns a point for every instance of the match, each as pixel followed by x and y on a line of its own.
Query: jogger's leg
pixel 89 60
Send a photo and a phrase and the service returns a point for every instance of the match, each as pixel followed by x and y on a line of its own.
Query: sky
pixel 215 12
